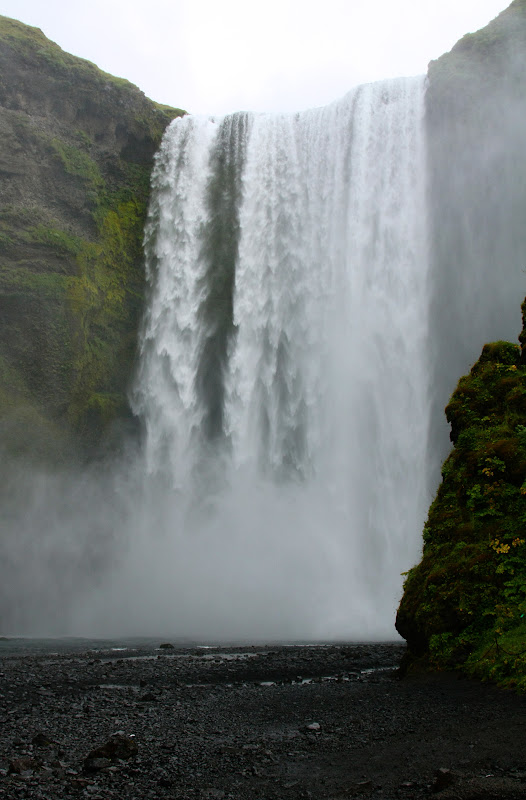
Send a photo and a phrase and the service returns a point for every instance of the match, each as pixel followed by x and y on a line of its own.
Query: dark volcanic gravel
pixel 252 723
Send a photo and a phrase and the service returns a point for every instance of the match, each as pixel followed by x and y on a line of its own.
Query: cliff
pixel 75 162
pixel 475 116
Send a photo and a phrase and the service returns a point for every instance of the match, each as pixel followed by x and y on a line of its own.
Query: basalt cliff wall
pixel 76 153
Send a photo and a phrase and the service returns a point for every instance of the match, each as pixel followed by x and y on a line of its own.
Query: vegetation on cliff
pixel 75 162
pixel 464 605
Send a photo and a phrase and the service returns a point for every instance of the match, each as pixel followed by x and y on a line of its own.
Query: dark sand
pixel 233 723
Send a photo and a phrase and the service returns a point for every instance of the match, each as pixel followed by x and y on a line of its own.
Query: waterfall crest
pixel 283 380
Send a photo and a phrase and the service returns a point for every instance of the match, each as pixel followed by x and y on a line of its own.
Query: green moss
pixel 105 299
pixel 469 590
pixel 168 113
pixel 84 139
pixel 103 295
pixel 22 280
pixel 19 216
pixel 500 656
pixel 58 240
pixel 77 162
pixel 5 241
pixel 26 432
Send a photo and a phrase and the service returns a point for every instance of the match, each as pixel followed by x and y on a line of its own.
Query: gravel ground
pixel 236 723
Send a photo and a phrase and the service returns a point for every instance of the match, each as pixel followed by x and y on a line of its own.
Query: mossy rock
pixel 464 604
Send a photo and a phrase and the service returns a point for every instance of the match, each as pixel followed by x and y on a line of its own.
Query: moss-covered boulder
pixel 464 605
pixel 76 153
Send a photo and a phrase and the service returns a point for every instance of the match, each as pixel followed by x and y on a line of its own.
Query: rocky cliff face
pixel 475 119
pixel 75 160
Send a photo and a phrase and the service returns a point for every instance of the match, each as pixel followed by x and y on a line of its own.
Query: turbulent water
pixel 283 382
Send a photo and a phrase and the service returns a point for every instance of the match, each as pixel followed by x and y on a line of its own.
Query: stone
pixel 118 746
pixel 41 740
pixel 148 698
pixel 96 764
pixel 364 785
pixel 19 766
pixel 443 779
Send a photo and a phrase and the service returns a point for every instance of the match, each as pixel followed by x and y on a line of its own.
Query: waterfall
pixel 283 380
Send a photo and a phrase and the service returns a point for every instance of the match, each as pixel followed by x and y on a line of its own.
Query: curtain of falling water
pixel 283 381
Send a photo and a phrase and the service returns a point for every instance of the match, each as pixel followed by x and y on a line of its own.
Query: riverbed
pixel 147 719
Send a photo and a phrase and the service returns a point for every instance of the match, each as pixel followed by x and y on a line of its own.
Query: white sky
pixel 217 56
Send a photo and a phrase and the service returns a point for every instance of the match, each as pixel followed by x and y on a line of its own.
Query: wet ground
pixel 87 720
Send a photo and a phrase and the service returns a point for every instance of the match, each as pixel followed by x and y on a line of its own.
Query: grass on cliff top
pixel 27 39
pixel 31 41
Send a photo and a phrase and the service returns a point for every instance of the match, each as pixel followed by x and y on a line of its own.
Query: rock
pixel 19 766
pixel 364 785
pixel 314 727
pixel 148 698
pixel 41 740
pixel 118 746
pixel 443 779
pixel 166 646
pixel 96 764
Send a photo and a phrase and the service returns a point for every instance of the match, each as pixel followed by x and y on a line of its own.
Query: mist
pixel 107 553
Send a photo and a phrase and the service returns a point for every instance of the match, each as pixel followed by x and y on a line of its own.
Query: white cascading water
pixel 283 381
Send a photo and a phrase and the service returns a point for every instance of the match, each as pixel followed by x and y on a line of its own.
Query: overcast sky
pixel 216 56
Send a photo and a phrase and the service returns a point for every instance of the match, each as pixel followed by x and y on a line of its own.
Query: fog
pixel 110 555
